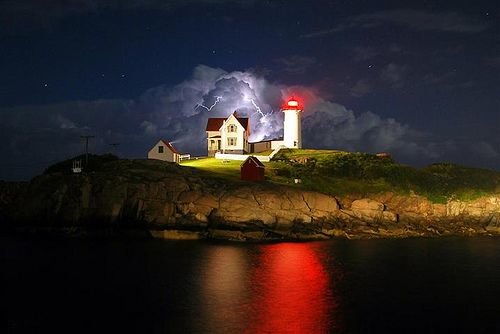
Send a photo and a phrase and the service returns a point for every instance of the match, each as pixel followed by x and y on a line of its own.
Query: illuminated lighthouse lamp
pixel 292 135
pixel 292 103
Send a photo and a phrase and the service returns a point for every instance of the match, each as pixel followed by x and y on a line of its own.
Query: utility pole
pixel 87 149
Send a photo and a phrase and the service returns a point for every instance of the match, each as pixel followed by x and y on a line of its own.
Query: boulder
pixel 196 204
pixel 321 206
pixel 367 209
pixel 389 216
pixel 367 204
pixel 370 210
pixel 241 206
pixel 455 208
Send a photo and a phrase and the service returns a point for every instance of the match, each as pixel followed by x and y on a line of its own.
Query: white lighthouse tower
pixel 292 136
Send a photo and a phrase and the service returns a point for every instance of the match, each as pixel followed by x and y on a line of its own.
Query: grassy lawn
pixel 339 173
pixel 224 168
pixel 280 172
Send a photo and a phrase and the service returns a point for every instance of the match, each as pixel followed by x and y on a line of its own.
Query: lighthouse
pixel 292 136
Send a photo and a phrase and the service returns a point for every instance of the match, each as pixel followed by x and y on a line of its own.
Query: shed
pixel 252 169
pixel 164 150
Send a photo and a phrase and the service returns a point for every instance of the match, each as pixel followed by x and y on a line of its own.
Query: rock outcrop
pixel 181 203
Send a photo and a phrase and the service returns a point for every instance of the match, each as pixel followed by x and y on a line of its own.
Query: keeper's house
pixel 228 135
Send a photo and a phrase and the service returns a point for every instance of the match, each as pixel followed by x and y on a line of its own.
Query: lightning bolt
pixel 257 108
pixel 217 100
pixel 263 117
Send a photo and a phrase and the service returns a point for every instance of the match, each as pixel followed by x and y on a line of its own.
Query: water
pixel 155 286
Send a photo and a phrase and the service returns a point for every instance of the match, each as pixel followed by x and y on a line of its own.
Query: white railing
pixel 228 156
pixel 242 157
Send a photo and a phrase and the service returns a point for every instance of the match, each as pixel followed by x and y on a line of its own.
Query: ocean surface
pixel 447 285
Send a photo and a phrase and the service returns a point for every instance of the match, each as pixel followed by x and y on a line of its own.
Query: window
pixel 294 143
pixel 160 149
pixel 231 128
pixel 231 142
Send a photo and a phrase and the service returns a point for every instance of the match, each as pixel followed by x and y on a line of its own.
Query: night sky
pixel 417 79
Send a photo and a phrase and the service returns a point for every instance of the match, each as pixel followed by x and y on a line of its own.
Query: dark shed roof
pixel 254 160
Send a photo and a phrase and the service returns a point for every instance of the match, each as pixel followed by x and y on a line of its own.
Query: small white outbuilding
pixel 164 150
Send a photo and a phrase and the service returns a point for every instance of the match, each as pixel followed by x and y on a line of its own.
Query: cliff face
pixel 178 202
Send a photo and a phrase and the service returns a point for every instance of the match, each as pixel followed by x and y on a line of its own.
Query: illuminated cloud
pixel 32 137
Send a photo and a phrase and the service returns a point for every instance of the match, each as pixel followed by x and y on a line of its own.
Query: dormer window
pixel 231 128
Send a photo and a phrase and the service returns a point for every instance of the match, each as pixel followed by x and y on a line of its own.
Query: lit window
pixel 160 149
pixel 231 128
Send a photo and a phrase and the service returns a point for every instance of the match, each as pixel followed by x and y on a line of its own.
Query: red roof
pixel 170 146
pixel 214 124
pixel 243 121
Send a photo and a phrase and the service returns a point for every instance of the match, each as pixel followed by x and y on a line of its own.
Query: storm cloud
pixel 32 137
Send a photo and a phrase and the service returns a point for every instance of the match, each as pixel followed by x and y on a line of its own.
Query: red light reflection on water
pixel 290 291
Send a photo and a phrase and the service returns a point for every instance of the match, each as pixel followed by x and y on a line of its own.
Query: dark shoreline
pixel 208 235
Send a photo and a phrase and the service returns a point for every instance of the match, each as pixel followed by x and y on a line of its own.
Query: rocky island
pixel 167 200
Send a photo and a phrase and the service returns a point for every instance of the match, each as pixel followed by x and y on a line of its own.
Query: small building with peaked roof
pixel 228 135
pixel 252 169
pixel 164 150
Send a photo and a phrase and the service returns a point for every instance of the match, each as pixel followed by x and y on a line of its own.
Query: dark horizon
pixel 418 80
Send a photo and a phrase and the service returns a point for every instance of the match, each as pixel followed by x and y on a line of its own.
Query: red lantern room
pixel 292 104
